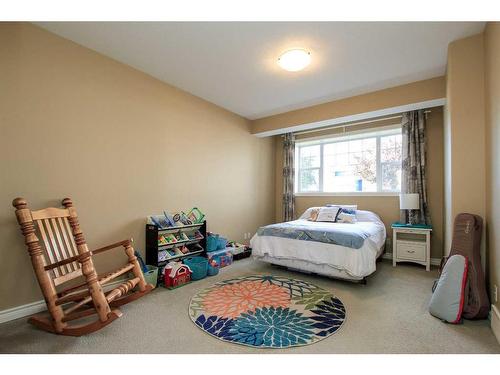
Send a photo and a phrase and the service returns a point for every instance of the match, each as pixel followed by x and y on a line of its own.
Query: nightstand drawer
pixel 411 231
pixel 411 250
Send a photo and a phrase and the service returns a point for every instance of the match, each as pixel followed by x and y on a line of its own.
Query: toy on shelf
pixel 198 235
pixel 184 249
pixel 176 274
pixel 166 239
pixel 181 237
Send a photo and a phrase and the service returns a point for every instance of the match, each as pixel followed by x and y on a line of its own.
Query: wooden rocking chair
pixel 65 256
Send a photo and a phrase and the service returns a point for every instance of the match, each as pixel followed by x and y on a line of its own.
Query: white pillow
pixel 343 217
pixel 328 214
pixel 346 206
pixel 370 216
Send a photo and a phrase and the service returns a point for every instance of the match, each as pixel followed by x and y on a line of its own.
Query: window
pixel 363 162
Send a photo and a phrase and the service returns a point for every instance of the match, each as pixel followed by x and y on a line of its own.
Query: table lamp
pixel 409 202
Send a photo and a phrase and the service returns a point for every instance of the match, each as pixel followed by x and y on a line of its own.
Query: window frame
pixel 331 139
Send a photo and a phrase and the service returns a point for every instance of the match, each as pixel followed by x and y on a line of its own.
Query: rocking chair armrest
pixel 76 258
pixel 124 243
pixel 81 257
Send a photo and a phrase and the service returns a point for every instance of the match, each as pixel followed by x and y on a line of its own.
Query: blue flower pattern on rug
pixel 272 327
pixel 275 327
pixel 215 325
pixel 329 316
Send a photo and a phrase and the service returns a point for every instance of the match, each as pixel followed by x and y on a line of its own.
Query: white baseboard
pixel 434 261
pixel 31 308
pixel 22 311
pixel 495 322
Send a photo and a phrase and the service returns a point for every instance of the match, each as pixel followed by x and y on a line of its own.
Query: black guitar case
pixel 467 232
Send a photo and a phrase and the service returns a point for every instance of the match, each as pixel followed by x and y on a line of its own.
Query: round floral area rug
pixel 267 311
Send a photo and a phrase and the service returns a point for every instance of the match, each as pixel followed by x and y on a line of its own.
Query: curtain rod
pixel 353 124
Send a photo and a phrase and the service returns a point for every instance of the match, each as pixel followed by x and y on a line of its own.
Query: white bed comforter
pixel 355 262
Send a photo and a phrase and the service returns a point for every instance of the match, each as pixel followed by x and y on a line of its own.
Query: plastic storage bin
pixel 151 275
pixel 223 257
pixel 198 265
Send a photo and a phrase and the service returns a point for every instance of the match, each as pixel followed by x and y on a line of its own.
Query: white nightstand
pixel 411 244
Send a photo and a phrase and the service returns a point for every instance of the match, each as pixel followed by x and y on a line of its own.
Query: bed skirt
pixel 308 267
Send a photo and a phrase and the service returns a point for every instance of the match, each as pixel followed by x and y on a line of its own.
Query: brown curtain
pixel 413 174
pixel 288 177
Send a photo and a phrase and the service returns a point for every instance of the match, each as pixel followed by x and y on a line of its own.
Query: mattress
pixel 326 258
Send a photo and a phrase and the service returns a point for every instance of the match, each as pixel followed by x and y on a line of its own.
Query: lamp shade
pixel 409 201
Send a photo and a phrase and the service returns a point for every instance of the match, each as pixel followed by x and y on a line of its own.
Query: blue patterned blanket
pixel 349 235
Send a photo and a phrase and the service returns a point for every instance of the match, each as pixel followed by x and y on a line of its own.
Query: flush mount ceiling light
pixel 295 59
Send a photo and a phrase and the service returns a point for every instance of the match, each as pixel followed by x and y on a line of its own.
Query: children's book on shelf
pixel 162 255
pixel 178 219
pixel 159 220
pixel 195 215
pixel 169 219
pixel 181 219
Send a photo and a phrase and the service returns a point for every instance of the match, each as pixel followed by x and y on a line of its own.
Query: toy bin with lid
pixel 223 257
pixel 198 265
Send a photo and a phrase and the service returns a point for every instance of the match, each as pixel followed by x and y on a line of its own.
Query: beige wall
pixel 121 144
pixel 415 92
pixel 465 130
pixel 387 207
pixel 492 75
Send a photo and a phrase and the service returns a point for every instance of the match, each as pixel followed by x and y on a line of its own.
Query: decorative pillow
pixel 328 214
pixel 307 213
pixel 348 211
pixel 344 217
pixel 314 214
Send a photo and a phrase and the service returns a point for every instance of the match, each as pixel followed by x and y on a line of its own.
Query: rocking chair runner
pixel 65 256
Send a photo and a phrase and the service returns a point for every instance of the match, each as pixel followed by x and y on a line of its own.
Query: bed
pixel 339 250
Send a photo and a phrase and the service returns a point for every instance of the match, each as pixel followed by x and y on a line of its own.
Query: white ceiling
pixel 233 64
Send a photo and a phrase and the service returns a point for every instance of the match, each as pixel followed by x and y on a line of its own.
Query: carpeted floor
pixel 389 315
